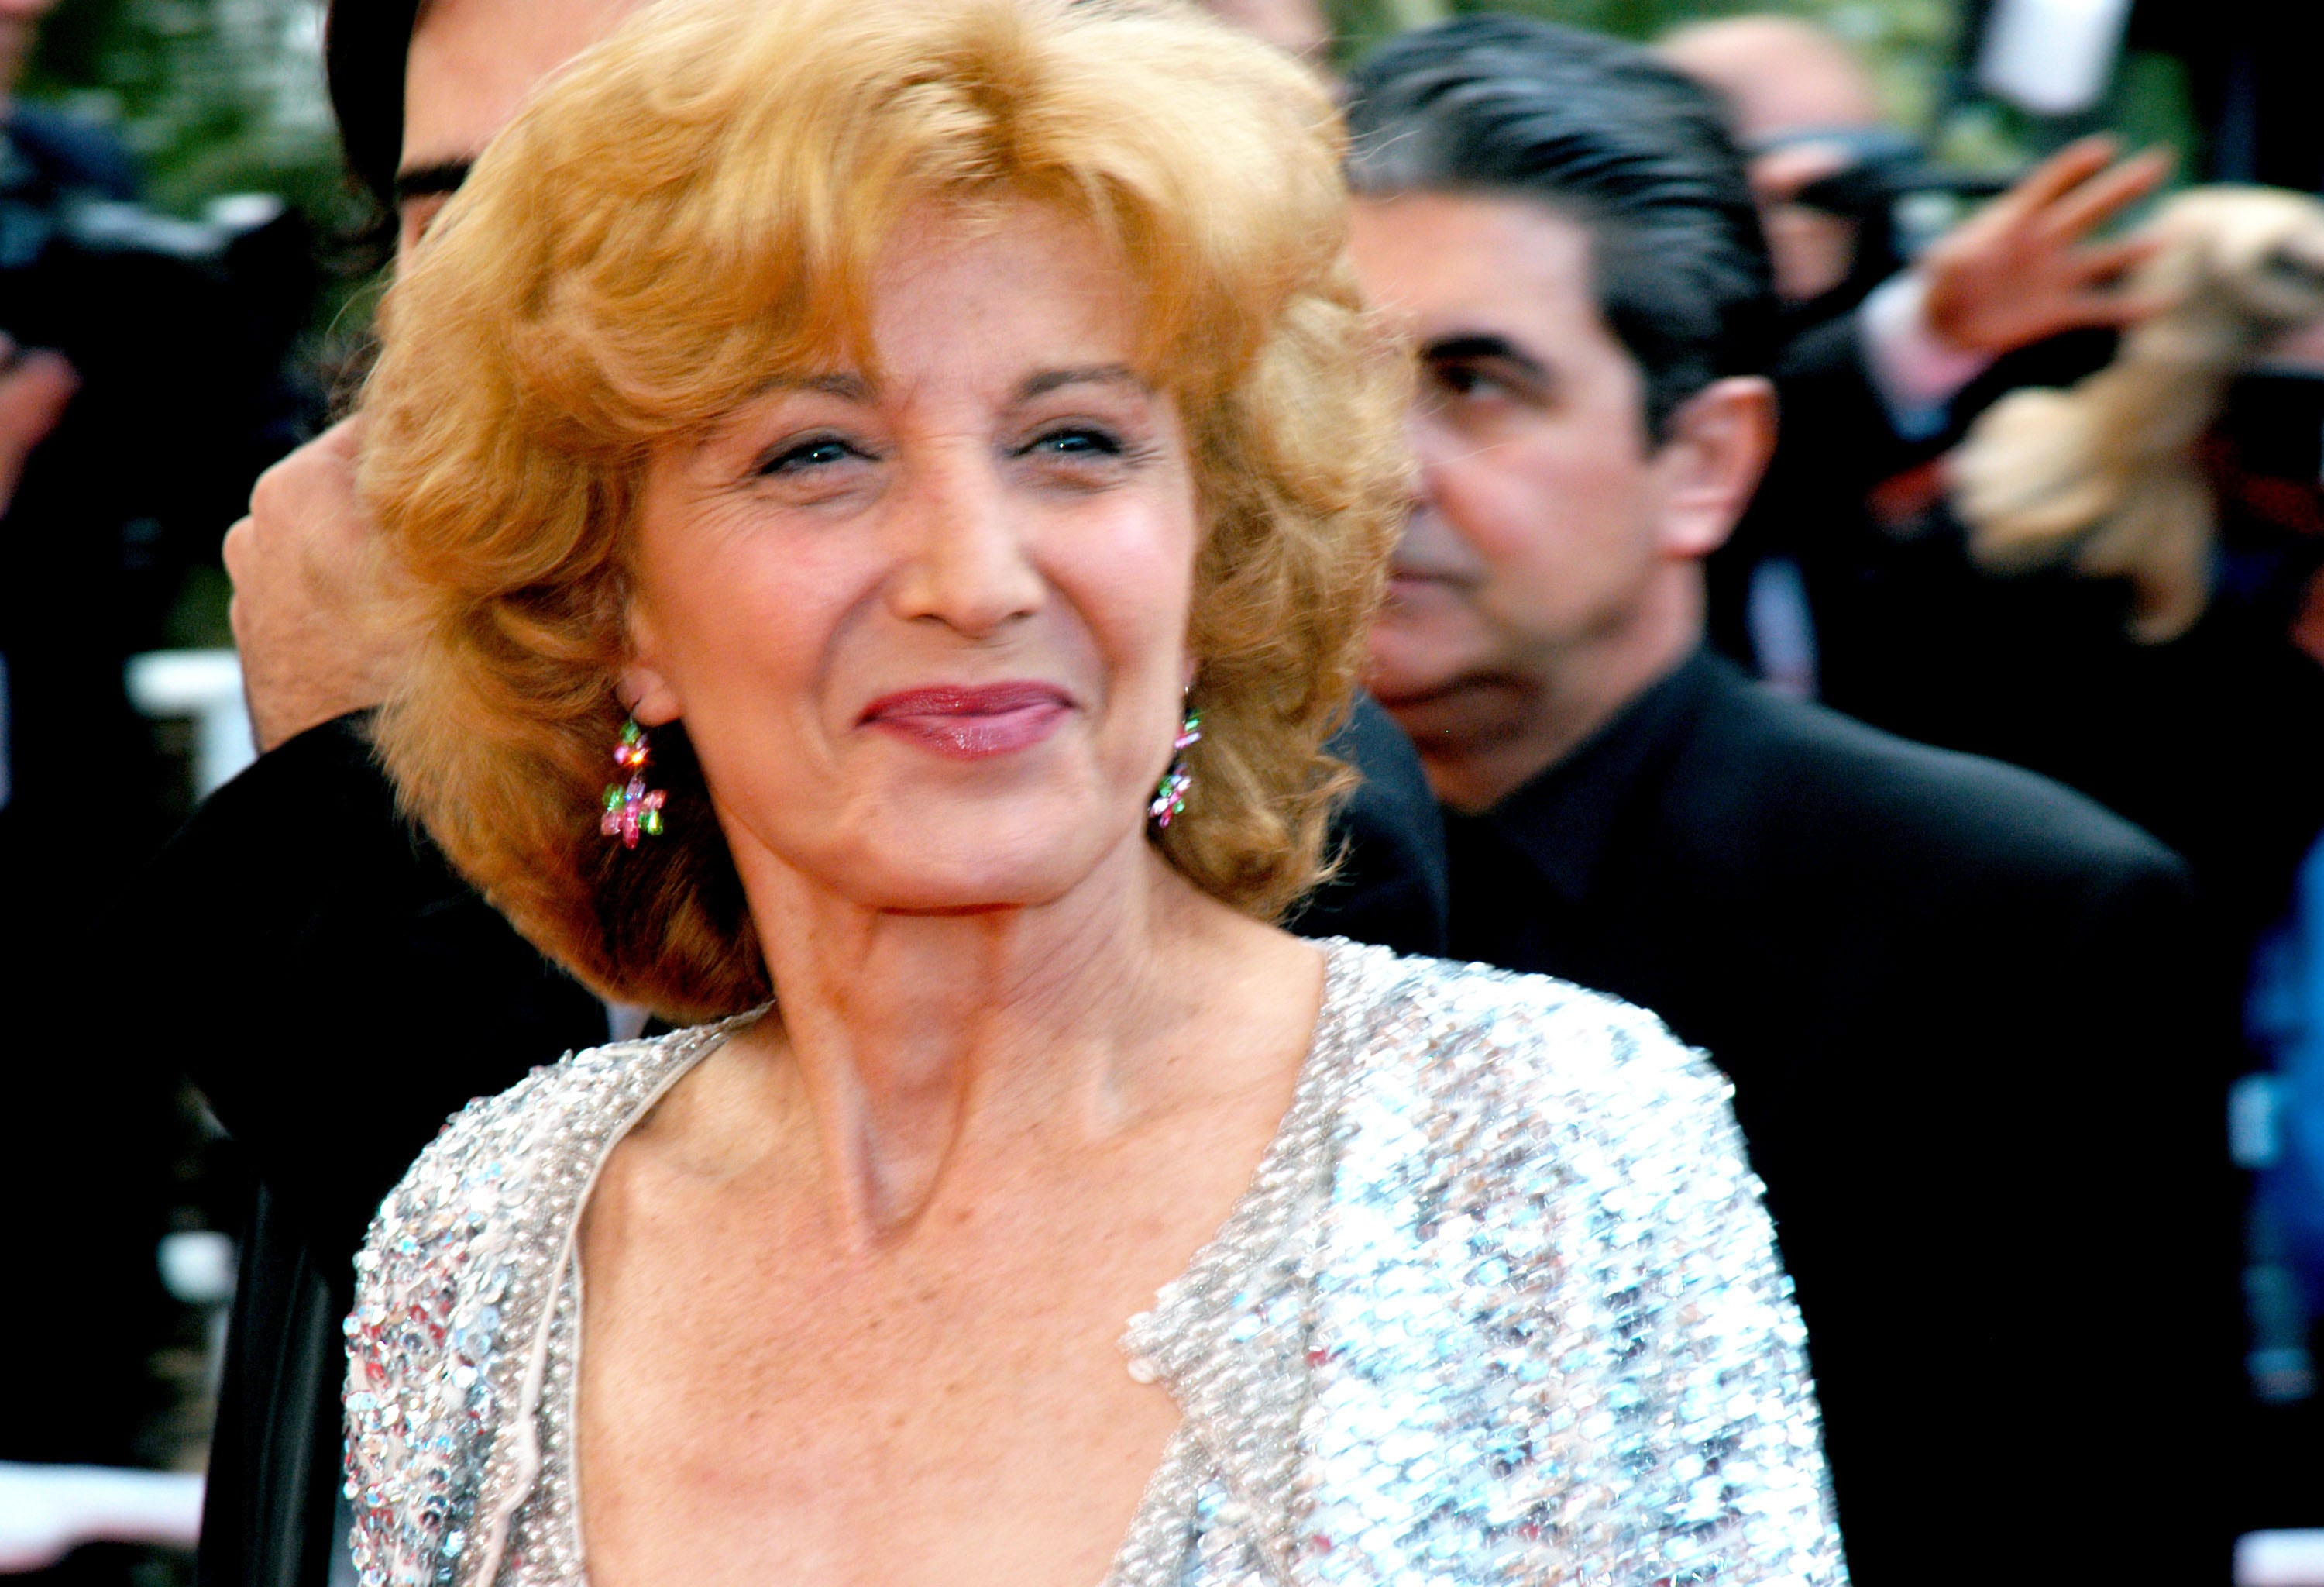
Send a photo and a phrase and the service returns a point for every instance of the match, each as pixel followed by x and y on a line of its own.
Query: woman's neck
pixel 912 1034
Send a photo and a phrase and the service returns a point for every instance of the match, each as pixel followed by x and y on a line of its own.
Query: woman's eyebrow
pixel 846 385
pixel 849 387
pixel 1050 379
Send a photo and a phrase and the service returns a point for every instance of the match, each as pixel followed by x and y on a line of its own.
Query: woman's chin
pixel 972 863
pixel 974 886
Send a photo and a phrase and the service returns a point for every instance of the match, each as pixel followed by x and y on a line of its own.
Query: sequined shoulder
pixel 1546 1272
pixel 1484 1039
pixel 454 1287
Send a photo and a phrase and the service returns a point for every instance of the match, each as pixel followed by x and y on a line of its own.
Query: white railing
pixel 48 1511
pixel 206 686
pixel 2280 1559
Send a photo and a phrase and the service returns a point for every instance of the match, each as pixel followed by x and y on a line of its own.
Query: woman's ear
pixel 1711 460
pixel 644 687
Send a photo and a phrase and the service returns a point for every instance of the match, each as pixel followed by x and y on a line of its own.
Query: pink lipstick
pixel 971 722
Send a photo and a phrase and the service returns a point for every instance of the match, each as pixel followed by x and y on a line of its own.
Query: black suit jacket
pixel 1850 499
pixel 1955 1002
pixel 2214 742
pixel 335 992
pixel 386 994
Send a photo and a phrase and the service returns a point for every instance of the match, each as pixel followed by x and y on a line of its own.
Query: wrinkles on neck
pixel 919 1040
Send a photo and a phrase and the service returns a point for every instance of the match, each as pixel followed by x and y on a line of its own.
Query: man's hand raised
pixel 313 613
pixel 34 390
pixel 2023 269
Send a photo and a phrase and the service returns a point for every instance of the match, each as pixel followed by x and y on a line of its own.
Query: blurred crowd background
pixel 175 214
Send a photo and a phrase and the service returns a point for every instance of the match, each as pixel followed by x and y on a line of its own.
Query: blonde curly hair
pixel 696 207
pixel 2106 477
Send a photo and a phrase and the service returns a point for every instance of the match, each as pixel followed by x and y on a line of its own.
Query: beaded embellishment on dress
pixel 1500 1305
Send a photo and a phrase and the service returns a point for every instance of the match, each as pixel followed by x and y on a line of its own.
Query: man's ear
pixel 1715 449
pixel 648 692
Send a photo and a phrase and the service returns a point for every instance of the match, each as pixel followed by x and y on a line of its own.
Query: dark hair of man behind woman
pixel 1601 131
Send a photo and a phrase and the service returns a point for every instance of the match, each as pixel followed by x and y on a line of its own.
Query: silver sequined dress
pixel 1500 1305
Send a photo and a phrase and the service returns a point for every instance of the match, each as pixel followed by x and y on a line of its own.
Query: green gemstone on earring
pixel 651 824
pixel 613 796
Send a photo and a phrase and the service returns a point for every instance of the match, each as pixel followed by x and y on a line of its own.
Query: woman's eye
pixel 801 457
pixel 1078 442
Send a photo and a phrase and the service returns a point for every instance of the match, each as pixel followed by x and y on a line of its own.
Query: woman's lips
pixel 971 722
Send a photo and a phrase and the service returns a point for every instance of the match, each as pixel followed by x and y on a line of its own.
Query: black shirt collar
pixel 1562 820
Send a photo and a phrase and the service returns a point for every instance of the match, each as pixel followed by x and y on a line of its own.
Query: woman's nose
pixel 967 563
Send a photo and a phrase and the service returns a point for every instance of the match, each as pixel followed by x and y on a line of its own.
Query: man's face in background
pixel 1782 81
pixel 472 64
pixel 20 30
pixel 1534 528
pixel 1297 27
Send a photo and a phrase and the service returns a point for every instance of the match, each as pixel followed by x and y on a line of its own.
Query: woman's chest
pixel 769 1409
pixel 959 1474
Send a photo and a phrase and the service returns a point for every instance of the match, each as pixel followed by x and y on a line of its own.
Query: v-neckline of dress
pixel 1170 1343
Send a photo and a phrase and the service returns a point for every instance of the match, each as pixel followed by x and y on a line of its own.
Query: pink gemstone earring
pixel 1170 796
pixel 632 808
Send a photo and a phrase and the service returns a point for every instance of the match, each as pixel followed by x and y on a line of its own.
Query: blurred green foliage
pixel 1909 44
pixel 1913 49
pixel 225 95
pixel 215 98
pixel 212 96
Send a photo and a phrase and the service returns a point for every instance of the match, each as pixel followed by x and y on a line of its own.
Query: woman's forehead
pixel 1027 297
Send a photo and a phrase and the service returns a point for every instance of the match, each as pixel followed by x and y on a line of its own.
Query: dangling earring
pixel 1170 796
pixel 632 808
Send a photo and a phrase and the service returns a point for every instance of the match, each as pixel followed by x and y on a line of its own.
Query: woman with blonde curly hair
pixel 895 490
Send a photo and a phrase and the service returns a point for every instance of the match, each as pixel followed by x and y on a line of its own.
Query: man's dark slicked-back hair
pixel 1603 133
pixel 365 43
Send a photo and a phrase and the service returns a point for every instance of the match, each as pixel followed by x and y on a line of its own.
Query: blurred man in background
pixel 2213 740
pixel 1888 345
pixel 1295 27
pixel 1953 997
pixel 2206 740
pixel 1806 110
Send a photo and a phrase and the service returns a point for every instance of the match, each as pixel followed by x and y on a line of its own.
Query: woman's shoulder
pixel 504 1166
pixel 453 1288
pixel 1532 1042
pixel 1541 1226
pixel 1524 1086
pixel 483 1157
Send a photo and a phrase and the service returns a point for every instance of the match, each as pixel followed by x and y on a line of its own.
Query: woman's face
pixel 928 633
